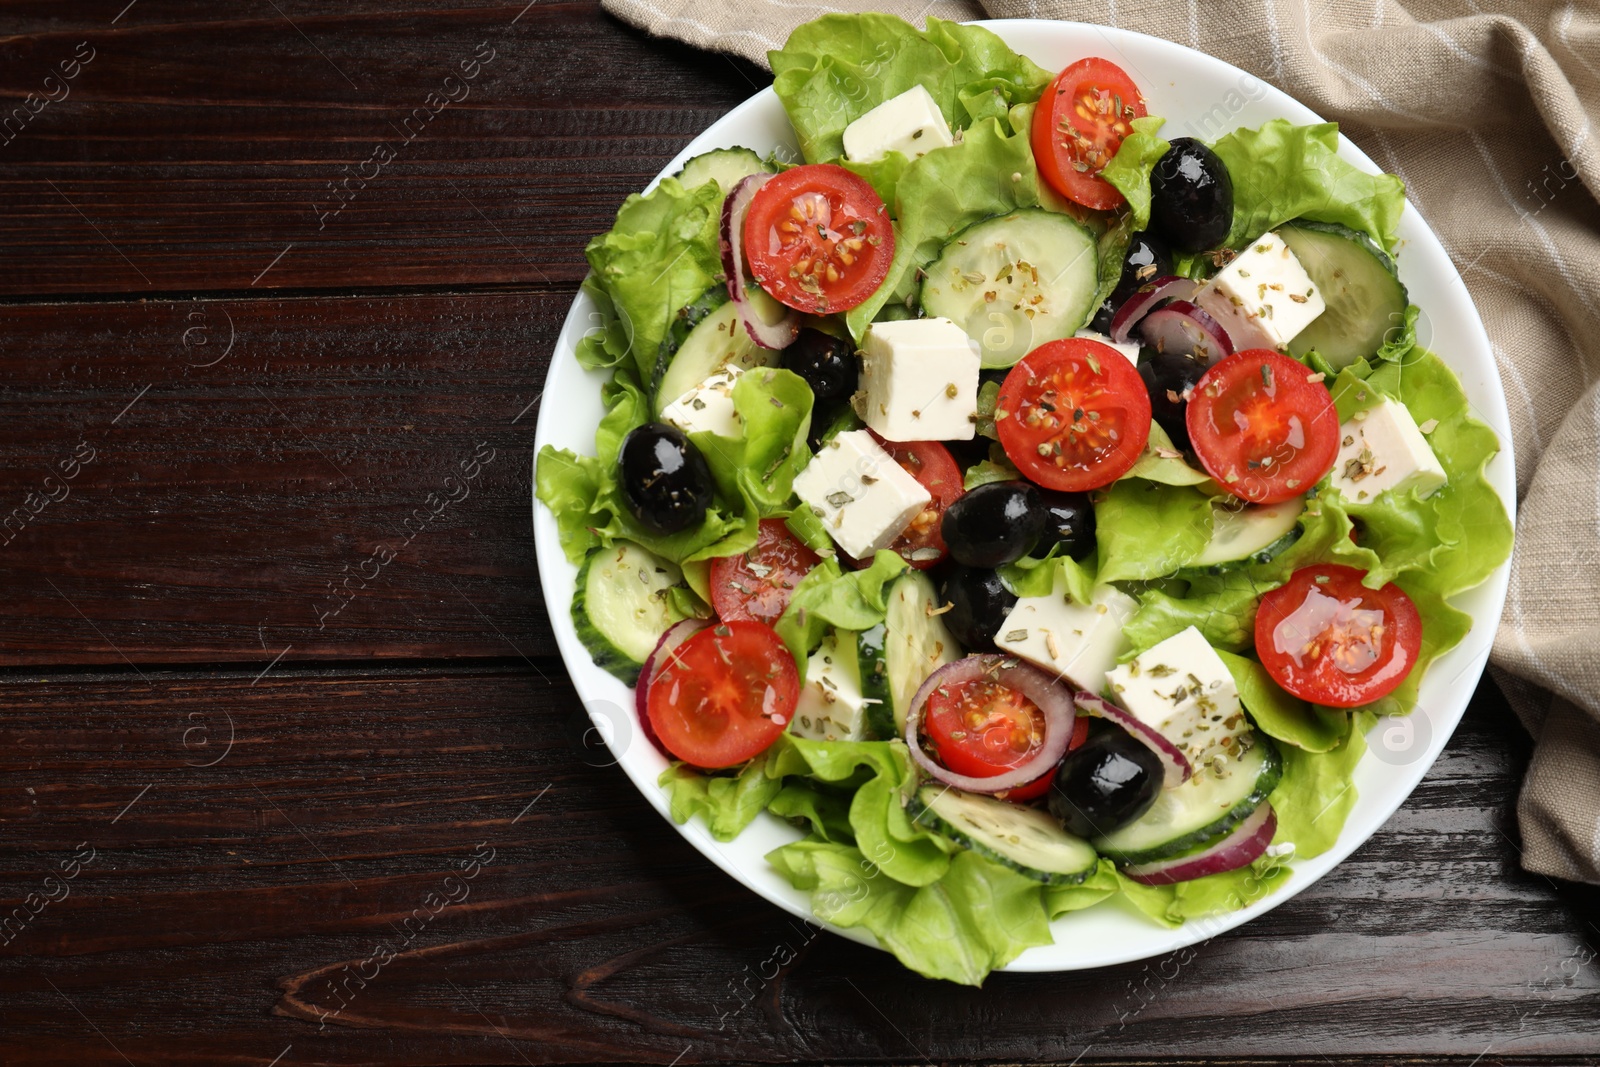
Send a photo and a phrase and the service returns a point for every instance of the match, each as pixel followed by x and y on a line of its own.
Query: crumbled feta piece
pixel 1264 298
pixel 707 407
pixel 910 124
pixel 1129 349
pixel 831 706
pixel 863 497
pixel 1182 688
pixel 1383 449
pixel 1078 642
pixel 919 381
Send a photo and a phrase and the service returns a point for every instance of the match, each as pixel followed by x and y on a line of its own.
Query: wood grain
pixel 223 906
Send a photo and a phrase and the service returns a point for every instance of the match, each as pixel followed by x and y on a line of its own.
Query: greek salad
pixel 1033 509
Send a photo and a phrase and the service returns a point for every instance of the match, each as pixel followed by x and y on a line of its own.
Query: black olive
pixel 979 603
pixel 1069 522
pixel 1191 196
pixel 1109 782
pixel 1168 377
pixel 994 524
pixel 665 481
pixel 1146 259
pixel 827 363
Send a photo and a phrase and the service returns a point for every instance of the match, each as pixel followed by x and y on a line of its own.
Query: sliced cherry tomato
pixel 1078 126
pixel 724 695
pixel 1329 639
pixel 1263 425
pixel 758 584
pixel 982 728
pixel 1073 415
pixel 818 238
pixel 1041 785
pixel 931 464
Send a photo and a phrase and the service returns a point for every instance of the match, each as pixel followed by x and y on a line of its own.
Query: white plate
pixel 1200 96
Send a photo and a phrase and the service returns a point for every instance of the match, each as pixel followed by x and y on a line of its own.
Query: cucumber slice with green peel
pixel 706 337
pixel 916 642
pixel 1189 817
pixel 725 166
pixel 621 606
pixel 1015 282
pixel 873 663
pixel 1026 840
pixel 1366 301
pixel 1244 536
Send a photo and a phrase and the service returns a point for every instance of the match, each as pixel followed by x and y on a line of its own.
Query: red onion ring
pixel 1243 845
pixel 1054 700
pixel 1145 299
pixel 676 635
pixel 734 208
pixel 1177 765
pixel 1183 329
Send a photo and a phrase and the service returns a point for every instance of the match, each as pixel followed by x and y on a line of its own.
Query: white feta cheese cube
pixel 1264 298
pixel 708 406
pixel 1129 349
pixel 919 381
pixel 831 706
pixel 1182 688
pixel 910 124
pixel 1382 449
pixel 1078 642
pixel 863 497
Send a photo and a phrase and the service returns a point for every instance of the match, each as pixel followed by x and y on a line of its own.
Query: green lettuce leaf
pixel 727 803
pixel 1281 715
pixel 1317 791
pixel 1147 530
pixel 1103 884
pixel 1223 607
pixel 1129 170
pixel 1162 462
pixel 835 69
pixel 829 596
pixel 1042 577
pixel 1282 172
pixel 825 810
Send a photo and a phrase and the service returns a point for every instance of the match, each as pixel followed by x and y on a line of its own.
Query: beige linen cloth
pixel 1488 112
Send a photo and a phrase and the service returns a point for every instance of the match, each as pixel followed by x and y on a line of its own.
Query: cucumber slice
pixel 706 337
pixel 916 642
pixel 1359 282
pixel 1188 817
pixel 1248 535
pixel 1024 839
pixel 725 166
pixel 873 664
pixel 621 607
pixel 1015 282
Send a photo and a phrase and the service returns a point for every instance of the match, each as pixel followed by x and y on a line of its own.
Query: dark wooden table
pixel 273 271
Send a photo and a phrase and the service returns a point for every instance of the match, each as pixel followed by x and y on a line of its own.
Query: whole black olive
pixel 1109 782
pixel 1068 522
pixel 993 524
pixel 827 363
pixel 1146 259
pixel 979 603
pixel 1191 196
pixel 1169 377
pixel 665 481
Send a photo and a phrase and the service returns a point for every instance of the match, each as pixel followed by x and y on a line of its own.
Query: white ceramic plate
pixel 1199 96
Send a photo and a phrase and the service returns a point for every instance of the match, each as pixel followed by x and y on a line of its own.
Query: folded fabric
pixel 1489 118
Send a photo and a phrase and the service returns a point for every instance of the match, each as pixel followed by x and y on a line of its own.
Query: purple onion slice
pixel 1145 300
pixel 1243 845
pixel 1178 767
pixel 1183 329
pixel 1053 699
pixel 774 335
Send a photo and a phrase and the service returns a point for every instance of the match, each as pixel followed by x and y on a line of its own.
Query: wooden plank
pixel 207 147
pixel 224 903
pixel 228 503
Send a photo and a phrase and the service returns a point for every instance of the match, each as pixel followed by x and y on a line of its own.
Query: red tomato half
pixel 982 728
pixel 818 238
pixel 1073 415
pixel 1329 639
pixel 1078 126
pixel 724 695
pixel 931 464
pixel 758 584
pixel 1263 425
